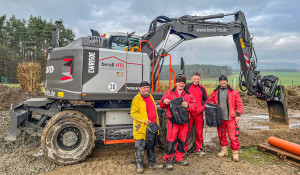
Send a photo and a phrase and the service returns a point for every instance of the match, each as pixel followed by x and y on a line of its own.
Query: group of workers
pixel 144 113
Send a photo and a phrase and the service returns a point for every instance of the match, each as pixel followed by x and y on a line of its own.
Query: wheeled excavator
pixel 105 71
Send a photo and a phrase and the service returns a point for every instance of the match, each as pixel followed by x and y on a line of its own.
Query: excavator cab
pixel 123 41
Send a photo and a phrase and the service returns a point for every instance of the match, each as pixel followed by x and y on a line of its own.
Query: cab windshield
pixel 124 43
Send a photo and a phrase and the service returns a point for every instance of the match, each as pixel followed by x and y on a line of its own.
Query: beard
pixel 145 95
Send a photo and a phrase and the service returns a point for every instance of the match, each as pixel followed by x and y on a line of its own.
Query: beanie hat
pixel 181 79
pixel 223 77
pixel 144 83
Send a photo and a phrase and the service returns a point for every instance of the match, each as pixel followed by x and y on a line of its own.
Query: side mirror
pixel 130 34
pixel 95 33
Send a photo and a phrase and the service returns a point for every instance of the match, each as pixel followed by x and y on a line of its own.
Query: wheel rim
pixel 69 138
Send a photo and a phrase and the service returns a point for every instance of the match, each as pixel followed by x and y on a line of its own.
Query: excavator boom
pixel 192 27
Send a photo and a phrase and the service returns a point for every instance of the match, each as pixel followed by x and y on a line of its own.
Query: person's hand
pixel 237 119
pixel 166 101
pixel 185 104
pixel 148 122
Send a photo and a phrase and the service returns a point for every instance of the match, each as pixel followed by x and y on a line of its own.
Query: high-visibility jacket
pixel 139 114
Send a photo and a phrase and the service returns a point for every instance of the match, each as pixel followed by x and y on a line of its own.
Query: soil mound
pixel 294 97
pixel 15 96
pixel 249 137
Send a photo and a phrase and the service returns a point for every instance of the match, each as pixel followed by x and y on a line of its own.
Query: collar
pixel 184 90
pixel 220 87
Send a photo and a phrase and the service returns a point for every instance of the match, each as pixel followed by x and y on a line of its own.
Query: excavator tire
pixel 68 138
pixel 192 140
pixel 163 120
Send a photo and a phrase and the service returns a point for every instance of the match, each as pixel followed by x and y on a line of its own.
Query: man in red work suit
pixel 232 107
pixel 200 94
pixel 175 131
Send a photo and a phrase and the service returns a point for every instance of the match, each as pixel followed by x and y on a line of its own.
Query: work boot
pixel 169 165
pixel 184 163
pixel 139 155
pixel 223 152
pixel 151 158
pixel 156 166
pixel 235 156
pixel 139 168
pixel 200 153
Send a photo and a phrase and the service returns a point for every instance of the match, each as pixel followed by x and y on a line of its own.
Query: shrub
pixel 29 76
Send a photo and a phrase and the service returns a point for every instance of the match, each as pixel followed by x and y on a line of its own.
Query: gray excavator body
pixel 105 72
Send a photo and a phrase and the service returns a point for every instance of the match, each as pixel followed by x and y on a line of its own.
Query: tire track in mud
pixel 17 158
pixel 115 159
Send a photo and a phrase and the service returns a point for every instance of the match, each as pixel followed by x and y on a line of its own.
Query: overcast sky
pixel 275 24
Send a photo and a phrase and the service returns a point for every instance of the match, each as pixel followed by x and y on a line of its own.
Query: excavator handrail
pixel 170 71
pixel 152 60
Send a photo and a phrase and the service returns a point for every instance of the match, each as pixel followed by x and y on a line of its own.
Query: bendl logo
pixel 118 65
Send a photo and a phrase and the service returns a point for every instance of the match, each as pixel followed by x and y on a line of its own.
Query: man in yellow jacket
pixel 143 112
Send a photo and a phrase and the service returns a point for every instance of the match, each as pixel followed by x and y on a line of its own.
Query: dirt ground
pixel 23 156
pixel 15 96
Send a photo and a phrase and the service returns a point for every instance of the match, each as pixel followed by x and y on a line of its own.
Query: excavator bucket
pixel 278 106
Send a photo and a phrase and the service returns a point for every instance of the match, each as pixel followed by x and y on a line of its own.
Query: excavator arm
pixel 192 27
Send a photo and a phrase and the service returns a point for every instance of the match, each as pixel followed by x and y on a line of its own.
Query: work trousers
pixel 229 127
pixel 199 124
pixel 176 134
pixel 148 144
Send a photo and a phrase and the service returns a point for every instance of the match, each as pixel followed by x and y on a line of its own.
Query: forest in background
pixel 205 71
pixel 24 40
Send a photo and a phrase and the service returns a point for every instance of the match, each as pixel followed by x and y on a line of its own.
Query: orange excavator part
pixel 108 142
pixel 170 71
pixel 285 145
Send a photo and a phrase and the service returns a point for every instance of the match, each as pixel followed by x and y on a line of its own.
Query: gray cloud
pixel 275 24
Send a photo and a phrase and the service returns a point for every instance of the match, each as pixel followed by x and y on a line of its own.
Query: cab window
pixel 123 42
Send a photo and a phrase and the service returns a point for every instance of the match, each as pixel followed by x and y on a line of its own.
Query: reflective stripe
pixel 246 60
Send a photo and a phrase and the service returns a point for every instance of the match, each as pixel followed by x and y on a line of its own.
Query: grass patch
pixel 254 156
pixel 18 86
pixel 13 85
pixel 285 78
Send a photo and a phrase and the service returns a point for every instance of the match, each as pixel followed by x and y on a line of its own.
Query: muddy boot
pixel 139 155
pixel 169 165
pixel 223 152
pixel 184 163
pixel 235 156
pixel 139 168
pixel 156 166
pixel 200 152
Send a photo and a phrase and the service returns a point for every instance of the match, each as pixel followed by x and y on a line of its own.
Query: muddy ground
pixel 23 157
